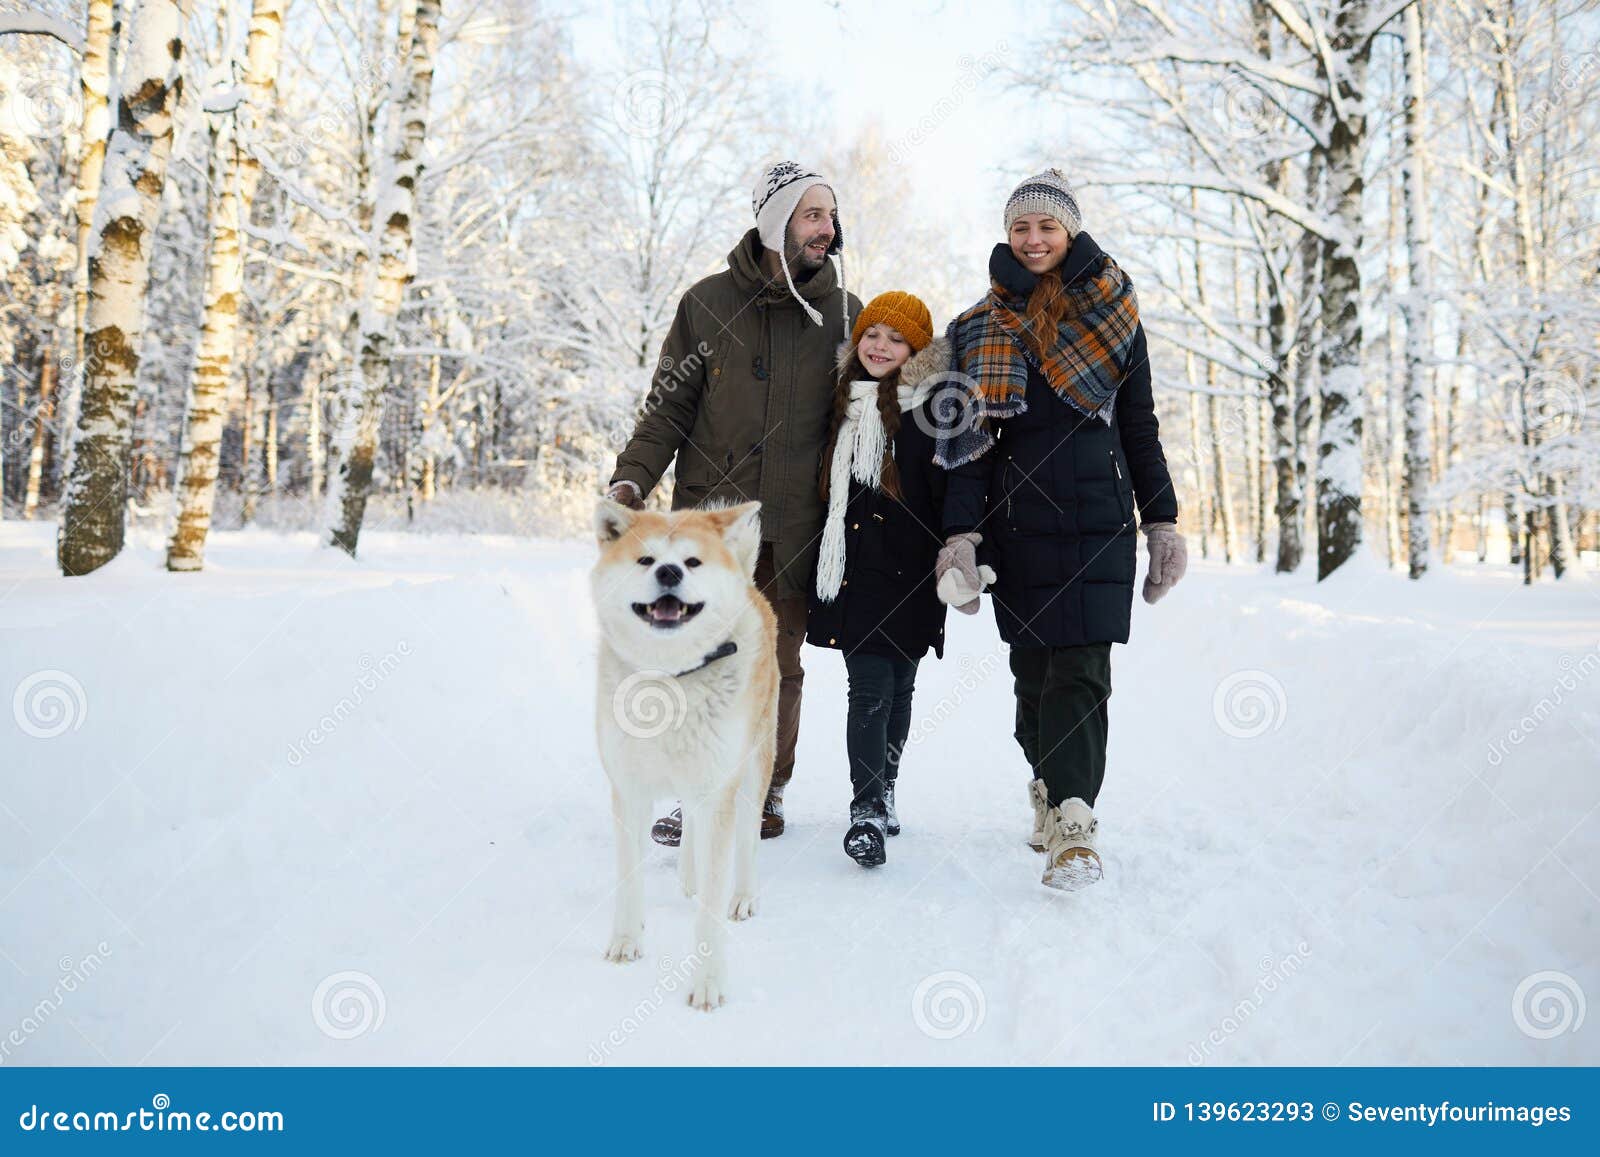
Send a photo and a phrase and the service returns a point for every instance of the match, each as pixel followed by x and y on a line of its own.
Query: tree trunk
pixel 1415 307
pixel 94 82
pixel 314 449
pixel 235 171
pixel 1201 491
pixel 41 423
pixel 1339 463
pixel 126 214
pixel 388 275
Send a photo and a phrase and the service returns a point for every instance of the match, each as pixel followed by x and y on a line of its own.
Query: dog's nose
pixel 669 575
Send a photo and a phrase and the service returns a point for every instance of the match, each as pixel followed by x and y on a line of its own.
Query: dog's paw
pixel 624 948
pixel 709 991
pixel 742 908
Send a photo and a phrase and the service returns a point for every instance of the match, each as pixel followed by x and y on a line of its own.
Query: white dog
pixel 687 707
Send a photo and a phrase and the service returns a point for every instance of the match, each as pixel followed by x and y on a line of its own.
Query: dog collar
pixel 721 652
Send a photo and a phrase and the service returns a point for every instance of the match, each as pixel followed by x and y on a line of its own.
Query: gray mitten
pixel 958 577
pixel 1169 559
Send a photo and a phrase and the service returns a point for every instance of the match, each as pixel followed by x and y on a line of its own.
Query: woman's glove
pixel 627 494
pixel 1169 558
pixel 958 577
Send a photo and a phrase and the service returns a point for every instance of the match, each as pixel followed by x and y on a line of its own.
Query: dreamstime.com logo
pixel 675 975
pixel 373 672
pixel 74 974
pixel 1573 673
pixel 1275 973
pixel 161 1117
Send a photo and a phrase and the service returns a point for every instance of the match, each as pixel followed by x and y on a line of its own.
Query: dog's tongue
pixel 666 610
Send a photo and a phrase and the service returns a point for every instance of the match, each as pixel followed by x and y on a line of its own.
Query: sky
pixel 932 75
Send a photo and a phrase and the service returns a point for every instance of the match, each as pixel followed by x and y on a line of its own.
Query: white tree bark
pixel 125 217
pixel 1416 304
pixel 1339 460
pixel 387 275
pixel 235 171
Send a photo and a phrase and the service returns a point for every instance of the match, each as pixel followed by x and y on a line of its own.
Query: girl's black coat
pixel 887 602
pixel 1055 497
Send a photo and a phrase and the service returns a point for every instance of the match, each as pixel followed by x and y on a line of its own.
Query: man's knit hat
pixel 775 199
pixel 904 311
pixel 1046 193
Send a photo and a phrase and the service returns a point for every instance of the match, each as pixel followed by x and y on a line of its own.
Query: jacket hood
pixel 751 276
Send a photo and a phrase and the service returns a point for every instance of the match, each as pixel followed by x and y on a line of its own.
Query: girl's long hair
pixel 888 410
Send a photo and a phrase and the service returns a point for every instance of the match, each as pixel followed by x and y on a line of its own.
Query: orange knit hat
pixel 904 311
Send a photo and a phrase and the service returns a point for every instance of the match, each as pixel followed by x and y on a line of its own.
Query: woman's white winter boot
pixel 1039 796
pixel 1070 859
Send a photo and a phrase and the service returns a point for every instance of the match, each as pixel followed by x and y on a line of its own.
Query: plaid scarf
pixel 1085 365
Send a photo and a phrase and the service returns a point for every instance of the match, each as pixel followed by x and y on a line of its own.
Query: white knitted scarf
pixel 857 454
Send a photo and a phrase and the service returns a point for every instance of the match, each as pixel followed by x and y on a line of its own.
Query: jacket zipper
pixel 1121 505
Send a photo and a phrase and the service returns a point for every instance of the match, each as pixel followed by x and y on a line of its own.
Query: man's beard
pixel 801 263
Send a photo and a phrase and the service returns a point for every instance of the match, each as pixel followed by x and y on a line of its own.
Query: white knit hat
pixel 775 199
pixel 1047 193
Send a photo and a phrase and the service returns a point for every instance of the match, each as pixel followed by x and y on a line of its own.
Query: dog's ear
pixel 611 520
pixel 741 530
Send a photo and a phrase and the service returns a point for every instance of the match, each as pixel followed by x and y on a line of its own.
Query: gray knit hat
pixel 1046 193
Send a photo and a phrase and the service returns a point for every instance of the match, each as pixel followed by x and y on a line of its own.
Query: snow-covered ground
pixel 297 809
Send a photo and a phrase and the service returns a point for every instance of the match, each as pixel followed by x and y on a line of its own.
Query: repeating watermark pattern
pixel 49 703
pixel 74 973
pixel 1575 71
pixel 953 408
pixel 1548 1004
pixel 974 673
pixel 946 1005
pixel 43 105
pixel 670 376
pixel 1274 974
pixel 373 672
pixel 1248 107
pixel 675 976
pixel 971 73
pixel 1573 673
pixel 648 103
pixel 347 1005
pixel 1550 403
pixel 648 704
pixel 1249 704
pixel 334 121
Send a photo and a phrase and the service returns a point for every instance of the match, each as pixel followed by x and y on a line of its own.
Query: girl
pixel 874 594
pixel 1046 483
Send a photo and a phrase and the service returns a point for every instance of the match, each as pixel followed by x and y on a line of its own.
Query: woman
pixel 874 597
pixel 1058 445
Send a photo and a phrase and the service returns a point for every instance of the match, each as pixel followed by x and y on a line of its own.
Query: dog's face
pixel 669 588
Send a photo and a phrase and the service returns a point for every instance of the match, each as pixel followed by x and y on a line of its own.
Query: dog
pixel 686 706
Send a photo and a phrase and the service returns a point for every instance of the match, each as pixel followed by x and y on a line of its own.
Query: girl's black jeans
pixel 878 723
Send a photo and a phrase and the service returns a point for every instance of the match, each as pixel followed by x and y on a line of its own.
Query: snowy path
pixel 209 842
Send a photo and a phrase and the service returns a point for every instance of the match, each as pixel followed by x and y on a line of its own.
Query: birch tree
pixel 387 275
pixel 233 114
pixel 1415 305
pixel 125 217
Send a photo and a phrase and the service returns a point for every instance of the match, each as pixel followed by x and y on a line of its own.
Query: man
pixel 742 397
